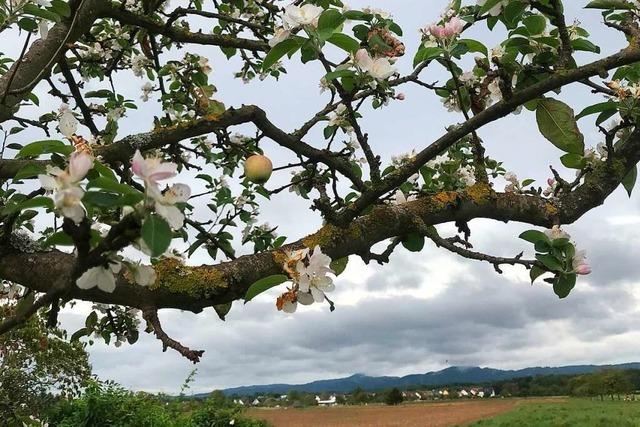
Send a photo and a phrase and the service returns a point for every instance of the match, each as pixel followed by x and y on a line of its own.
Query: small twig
pixel 75 91
pixel 151 316
pixel 448 244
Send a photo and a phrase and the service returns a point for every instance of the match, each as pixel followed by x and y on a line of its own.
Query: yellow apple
pixel 258 168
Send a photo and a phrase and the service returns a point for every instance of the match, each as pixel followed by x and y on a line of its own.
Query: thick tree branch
pixel 43 53
pixel 123 150
pixel 180 35
pixel 493 113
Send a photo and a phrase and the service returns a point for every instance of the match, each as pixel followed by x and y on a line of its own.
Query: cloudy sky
pixel 423 311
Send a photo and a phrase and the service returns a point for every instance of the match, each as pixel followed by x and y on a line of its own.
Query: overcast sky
pixel 423 311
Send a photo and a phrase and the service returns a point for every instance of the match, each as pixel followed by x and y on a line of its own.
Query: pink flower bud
pixel 400 97
pixel 583 269
pixel 454 27
pixel 551 182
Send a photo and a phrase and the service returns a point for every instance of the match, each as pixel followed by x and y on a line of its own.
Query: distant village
pixel 360 397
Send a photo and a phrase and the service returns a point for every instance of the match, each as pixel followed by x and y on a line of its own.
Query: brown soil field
pixel 437 414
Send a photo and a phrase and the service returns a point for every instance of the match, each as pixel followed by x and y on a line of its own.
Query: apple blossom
pixel 152 169
pixel 165 204
pixel 448 30
pixel 550 190
pixel 288 302
pixel 378 68
pixel 579 263
pixel 69 202
pixel 400 198
pixel 313 277
pixel 297 16
pixel 67 123
pixel 279 36
pixel 514 183
pixel 102 277
pixel 143 275
pixel 557 233
pixel 68 195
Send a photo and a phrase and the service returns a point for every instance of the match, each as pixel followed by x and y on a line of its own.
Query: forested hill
pixel 452 375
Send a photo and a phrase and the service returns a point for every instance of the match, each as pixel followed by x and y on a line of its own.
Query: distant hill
pixel 452 375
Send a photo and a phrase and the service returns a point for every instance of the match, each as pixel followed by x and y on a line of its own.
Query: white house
pixel 329 402
pixel 238 402
pixel 255 402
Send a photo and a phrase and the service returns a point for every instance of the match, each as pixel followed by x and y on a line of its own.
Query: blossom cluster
pixel 579 262
pixel 152 170
pixel 308 270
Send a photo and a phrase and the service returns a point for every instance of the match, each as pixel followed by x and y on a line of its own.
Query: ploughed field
pixel 435 414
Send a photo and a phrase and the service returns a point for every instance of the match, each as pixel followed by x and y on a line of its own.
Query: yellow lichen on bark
pixel 176 277
pixel 480 192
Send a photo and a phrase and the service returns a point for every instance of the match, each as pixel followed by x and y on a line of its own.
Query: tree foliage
pixel 393 397
pixel 37 366
pixel 83 179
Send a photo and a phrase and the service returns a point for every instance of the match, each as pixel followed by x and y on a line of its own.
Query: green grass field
pixel 573 412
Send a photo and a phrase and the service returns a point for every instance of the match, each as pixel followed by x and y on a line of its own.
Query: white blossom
pixel 297 16
pixel 557 233
pixel 379 68
pixel 102 277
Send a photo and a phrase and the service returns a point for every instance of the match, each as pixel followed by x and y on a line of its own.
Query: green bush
pixel 108 404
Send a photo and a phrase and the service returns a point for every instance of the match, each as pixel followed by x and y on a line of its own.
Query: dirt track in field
pixel 439 414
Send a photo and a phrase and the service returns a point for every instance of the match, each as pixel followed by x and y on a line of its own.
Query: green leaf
pixel 338 73
pixel 339 265
pixel 104 199
pixel 426 54
pixel 109 184
pixel 79 334
pixel 549 261
pixel 475 46
pixel 598 108
pixel 58 239
pixel 47 146
pixel 563 284
pixel 61 8
pixel 558 124
pixel 104 170
pixel 609 4
pixel 328 22
pixel 584 45
pixel 413 242
pixel 629 181
pixel 34 10
pixel 289 45
pixel 356 15
pixel 35 202
pixel 573 161
pixel 101 93
pixel 560 242
pixel 344 42
pixel 264 285
pixel 536 272
pixel 222 310
pixel 28 24
pixel 534 236
pixel 535 24
pixel 91 320
pixel 29 171
pixel 156 233
pixel 489 4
